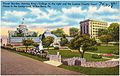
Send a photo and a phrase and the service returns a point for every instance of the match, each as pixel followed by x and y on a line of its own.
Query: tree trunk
pixel 82 54
pixel 26 48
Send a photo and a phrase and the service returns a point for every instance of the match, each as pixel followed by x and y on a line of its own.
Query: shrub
pixel 116 44
pixel 116 52
pixel 56 48
pixel 35 44
pixel 96 56
pixel 10 45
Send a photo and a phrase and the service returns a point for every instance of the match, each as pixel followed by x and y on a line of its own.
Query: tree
pixel 63 41
pixel 59 32
pixel 102 32
pixel 105 38
pixel 47 41
pixel 34 34
pixel 84 42
pixel 114 31
pixel 35 44
pixel 73 31
pixel 27 43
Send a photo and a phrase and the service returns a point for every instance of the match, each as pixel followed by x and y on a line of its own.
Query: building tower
pixel 91 27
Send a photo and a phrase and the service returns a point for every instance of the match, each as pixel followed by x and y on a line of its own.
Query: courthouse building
pixel 91 27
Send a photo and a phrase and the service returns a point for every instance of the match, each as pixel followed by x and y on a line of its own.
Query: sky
pixel 60 14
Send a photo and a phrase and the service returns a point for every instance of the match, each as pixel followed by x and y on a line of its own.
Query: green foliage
pixel 56 48
pixel 105 38
pixel 47 41
pixel 27 42
pixel 59 32
pixel 96 56
pixel 73 31
pixel 43 36
pixel 9 45
pixel 35 34
pixel 93 71
pixel 102 32
pixel 35 44
pixel 107 49
pixel 114 31
pixel 18 35
pixel 63 41
pixel 116 52
pixel 83 41
pixel 70 54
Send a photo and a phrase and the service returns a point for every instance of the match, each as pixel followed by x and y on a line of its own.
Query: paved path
pixel 15 64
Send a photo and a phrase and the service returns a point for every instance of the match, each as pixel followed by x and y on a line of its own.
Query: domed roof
pixel 22 26
pixel 48 33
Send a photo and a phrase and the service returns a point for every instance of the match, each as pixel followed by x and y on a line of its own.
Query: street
pixel 15 64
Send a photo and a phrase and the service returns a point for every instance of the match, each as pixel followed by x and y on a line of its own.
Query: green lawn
pixel 93 71
pixel 69 54
pixel 83 70
pixel 106 49
pixel 32 56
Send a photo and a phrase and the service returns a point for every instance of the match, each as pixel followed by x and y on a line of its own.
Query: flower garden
pixel 70 54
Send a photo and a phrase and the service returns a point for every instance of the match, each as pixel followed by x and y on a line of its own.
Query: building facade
pixel 91 27
pixel 16 37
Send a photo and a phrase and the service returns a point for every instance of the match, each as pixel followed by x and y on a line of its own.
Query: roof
pixel 48 33
pixel 91 20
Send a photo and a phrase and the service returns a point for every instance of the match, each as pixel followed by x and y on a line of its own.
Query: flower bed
pixel 106 54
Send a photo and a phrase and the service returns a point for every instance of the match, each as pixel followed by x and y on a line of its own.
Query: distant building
pixel 21 29
pixel 91 27
pixel 48 33
pixel 16 37
pixel 56 39
pixel 22 32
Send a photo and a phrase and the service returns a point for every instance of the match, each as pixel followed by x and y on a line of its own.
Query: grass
pixel 93 71
pixel 107 49
pixel 69 54
pixel 32 56
pixel 83 70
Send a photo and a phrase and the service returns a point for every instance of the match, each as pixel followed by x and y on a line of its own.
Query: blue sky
pixel 58 16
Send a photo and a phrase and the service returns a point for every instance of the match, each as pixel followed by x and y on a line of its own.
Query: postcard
pixel 60 37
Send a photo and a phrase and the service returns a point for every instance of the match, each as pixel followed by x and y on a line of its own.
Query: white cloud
pixel 44 15
pixel 93 9
pixel 48 24
pixel 29 20
pixel 108 9
pixel 73 10
pixel 8 23
pixel 18 14
pixel 53 14
pixel 39 13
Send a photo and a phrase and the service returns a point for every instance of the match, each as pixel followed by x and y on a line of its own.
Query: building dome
pixel 48 33
pixel 22 26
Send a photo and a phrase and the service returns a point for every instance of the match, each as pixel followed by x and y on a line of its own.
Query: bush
pixel 9 45
pixel 116 52
pixel 56 48
pixel 116 44
pixel 96 56
pixel 35 44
